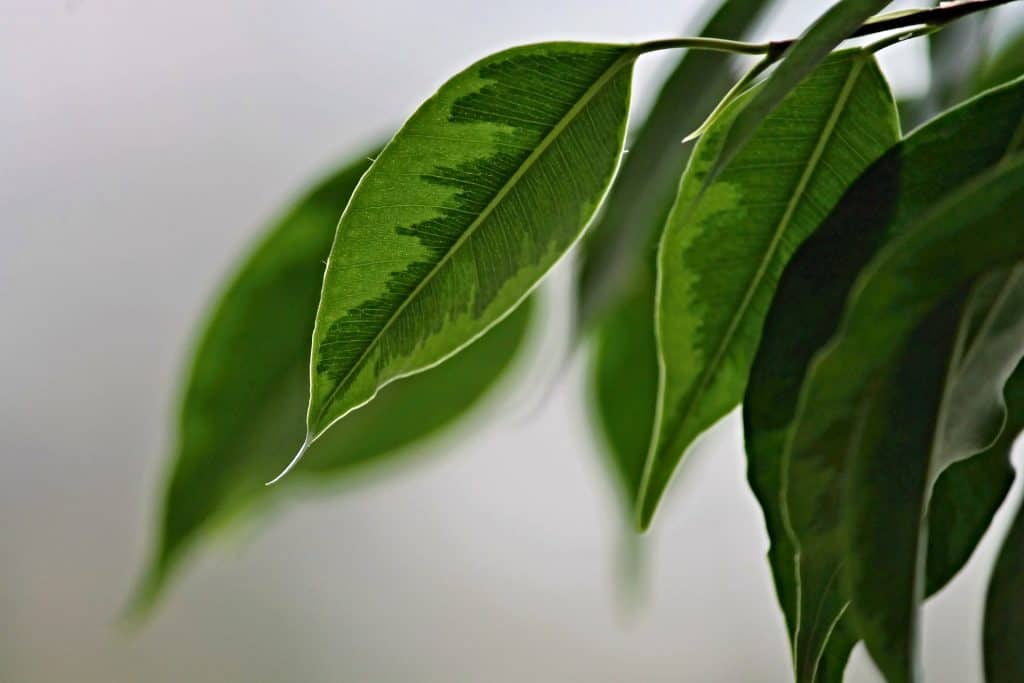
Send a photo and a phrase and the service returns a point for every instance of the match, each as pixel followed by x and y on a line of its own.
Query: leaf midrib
pixel 710 368
pixel 546 142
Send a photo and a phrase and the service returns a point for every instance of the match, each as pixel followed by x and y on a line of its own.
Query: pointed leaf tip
pixel 295 461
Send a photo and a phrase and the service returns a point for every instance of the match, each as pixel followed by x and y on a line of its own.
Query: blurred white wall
pixel 141 147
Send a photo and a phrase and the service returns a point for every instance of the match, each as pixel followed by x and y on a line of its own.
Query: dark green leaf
pixel 640 199
pixel 813 46
pixel 941 401
pixel 973 231
pixel 475 198
pixel 246 394
pixel 805 314
pixel 1004 604
pixel 725 245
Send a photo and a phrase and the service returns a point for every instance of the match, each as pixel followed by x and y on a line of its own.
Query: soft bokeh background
pixel 142 146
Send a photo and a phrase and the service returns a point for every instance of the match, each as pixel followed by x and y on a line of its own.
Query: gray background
pixel 142 146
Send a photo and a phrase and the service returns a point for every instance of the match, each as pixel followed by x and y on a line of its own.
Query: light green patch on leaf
pixel 726 244
pixel 799 60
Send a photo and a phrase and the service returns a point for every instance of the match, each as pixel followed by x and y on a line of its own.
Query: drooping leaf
pixel 805 313
pixel 615 287
pixel 475 198
pixel 1004 603
pixel 940 402
pixel 640 199
pixel 725 246
pixel 625 384
pixel 973 231
pixel 839 22
pixel 955 54
pixel 247 389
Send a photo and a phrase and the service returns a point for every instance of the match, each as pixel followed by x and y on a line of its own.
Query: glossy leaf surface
pixel 806 312
pixel 246 394
pixel 940 402
pixel 725 246
pixel 973 231
pixel 476 197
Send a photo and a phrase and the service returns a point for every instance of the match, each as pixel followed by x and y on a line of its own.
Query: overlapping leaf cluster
pixel 860 292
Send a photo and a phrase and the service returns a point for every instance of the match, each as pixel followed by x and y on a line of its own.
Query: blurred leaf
pixel 1004 604
pixel 640 198
pixel 974 230
pixel 625 384
pixel 245 397
pixel 955 54
pixel 470 204
pixel 940 402
pixel 806 312
pixel 616 280
pixel 833 27
pixel 1006 65
pixel 725 245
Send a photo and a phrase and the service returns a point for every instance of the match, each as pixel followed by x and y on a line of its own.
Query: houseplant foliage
pixel 858 289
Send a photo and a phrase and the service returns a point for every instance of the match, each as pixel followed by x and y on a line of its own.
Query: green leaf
pixel 616 246
pixel 975 230
pixel 615 287
pixel 1004 603
pixel 725 245
pixel 1007 64
pixel 475 198
pixel 834 26
pixel 805 314
pixel 941 401
pixel 247 389
pixel 624 384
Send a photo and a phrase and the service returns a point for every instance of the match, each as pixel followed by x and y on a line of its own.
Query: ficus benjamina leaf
pixel 974 230
pixel 725 244
pixel 474 199
pixel 617 245
pixel 247 388
pixel 805 313
pixel 615 285
pixel 836 24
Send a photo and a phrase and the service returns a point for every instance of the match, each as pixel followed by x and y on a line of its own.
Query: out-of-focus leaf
pixel 831 28
pixel 975 230
pixel 940 402
pixel 955 54
pixel 246 394
pixel 477 196
pixel 725 245
pixel 805 314
pixel 1004 604
pixel 1005 65
pixel 640 199
pixel 625 384
pixel 615 287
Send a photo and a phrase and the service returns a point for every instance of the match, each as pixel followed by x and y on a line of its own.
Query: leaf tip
pixel 295 461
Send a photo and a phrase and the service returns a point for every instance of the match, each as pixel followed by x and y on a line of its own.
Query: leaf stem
pixel 908 19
